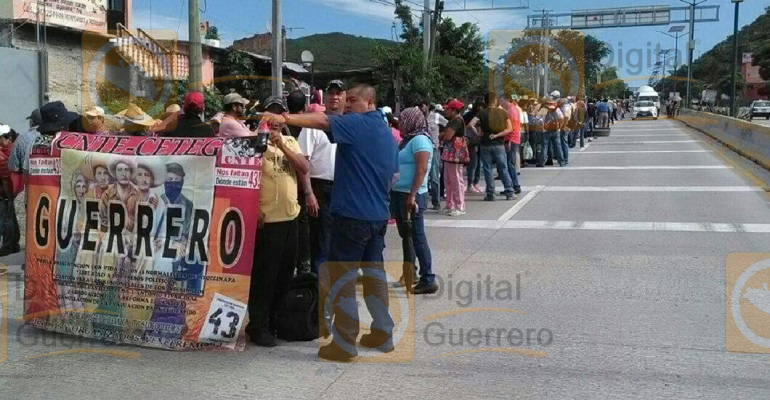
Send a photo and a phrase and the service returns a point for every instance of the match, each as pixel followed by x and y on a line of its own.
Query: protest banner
pixel 142 240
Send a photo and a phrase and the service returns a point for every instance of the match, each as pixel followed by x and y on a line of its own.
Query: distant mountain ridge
pixel 336 51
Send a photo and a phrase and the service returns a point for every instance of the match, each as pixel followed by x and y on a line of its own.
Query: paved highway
pixel 620 259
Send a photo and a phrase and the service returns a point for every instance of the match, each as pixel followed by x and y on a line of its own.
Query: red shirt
pixel 515 135
pixel 5 170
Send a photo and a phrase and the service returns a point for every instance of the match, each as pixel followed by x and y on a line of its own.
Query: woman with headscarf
pixel 408 199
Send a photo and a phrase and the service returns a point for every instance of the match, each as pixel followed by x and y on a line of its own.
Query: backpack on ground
pixel 297 316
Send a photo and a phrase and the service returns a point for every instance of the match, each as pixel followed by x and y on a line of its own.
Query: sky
pixel 238 19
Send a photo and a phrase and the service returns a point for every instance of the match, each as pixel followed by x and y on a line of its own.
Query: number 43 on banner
pixel 223 321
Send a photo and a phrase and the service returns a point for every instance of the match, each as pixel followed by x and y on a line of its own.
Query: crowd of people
pixel 335 174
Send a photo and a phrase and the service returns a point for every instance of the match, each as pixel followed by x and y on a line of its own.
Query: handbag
pixel 456 151
pixel 528 153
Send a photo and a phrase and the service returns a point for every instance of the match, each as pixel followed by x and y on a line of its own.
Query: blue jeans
pixel 565 146
pixel 490 154
pixel 434 182
pixel 511 159
pixel 473 166
pixel 358 244
pixel 419 240
pixel 320 226
pixel 550 143
pixel 582 135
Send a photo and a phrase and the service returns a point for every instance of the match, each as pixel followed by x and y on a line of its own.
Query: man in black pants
pixel 275 256
pixel 307 202
pixel 364 167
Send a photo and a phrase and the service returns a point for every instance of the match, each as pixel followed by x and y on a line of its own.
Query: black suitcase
pixel 297 317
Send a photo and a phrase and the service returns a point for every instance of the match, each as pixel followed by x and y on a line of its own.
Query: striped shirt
pixel 22 148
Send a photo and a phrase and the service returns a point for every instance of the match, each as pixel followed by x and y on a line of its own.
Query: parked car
pixel 760 108
pixel 645 108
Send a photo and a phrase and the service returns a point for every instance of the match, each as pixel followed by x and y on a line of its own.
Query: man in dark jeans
pixel 364 168
pixel 495 125
pixel 275 255
pixel 308 205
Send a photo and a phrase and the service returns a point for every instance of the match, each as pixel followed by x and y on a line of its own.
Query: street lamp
pixel 734 60
pixel 309 61
pixel 677 33
pixel 665 54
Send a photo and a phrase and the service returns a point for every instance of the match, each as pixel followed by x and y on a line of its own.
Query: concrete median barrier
pixel 747 139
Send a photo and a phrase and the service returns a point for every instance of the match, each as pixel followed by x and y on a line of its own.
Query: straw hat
pixel 91 162
pixel 133 115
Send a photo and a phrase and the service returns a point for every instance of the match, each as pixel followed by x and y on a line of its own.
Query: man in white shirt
pixel 321 153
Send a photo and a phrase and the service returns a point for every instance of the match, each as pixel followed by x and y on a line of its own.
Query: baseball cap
pixel 194 101
pixel 272 100
pixel 234 98
pixel 336 84
pixel 454 104
pixel 555 94
pixel 439 107
pixel 35 117
pixel 95 111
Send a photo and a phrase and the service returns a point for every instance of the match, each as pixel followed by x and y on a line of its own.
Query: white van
pixel 647 93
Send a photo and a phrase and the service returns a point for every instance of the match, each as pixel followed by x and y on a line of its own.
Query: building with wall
pixel 756 87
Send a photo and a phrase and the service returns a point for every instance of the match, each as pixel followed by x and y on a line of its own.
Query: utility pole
pixel 277 63
pixel 196 51
pixel 540 67
pixel 734 61
pixel 434 27
pixel 425 34
pixel 691 47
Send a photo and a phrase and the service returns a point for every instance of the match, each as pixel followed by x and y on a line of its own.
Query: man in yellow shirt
pixel 275 255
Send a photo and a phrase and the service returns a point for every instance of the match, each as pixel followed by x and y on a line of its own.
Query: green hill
pixel 336 51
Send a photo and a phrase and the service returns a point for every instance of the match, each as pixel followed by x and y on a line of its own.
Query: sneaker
pixel 517 190
pixel 263 338
pixel 455 213
pixel 477 189
pixel 509 196
pixel 489 198
pixel 426 288
pixel 436 207
pixel 379 340
pixel 333 352
pixel 582 147
pixel 460 212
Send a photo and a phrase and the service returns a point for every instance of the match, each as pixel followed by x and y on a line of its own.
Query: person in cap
pixel 94 121
pixel 436 123
pixel 550 142
pixel 334 97
pixel 454 181
pixel 135 121
pixel 232 124
pixel 364 168
pixel 603 113
pixel 275 255
pixel 495 125
pixel 190 123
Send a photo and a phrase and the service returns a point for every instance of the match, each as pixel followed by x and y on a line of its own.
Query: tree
pixel 212 33
pixel 457 68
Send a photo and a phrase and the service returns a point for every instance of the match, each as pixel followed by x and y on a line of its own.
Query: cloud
pixel 368 9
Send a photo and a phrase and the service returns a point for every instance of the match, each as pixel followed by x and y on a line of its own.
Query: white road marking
pixel 646 151
pixel 636 167
pixel 650 189
pixel 640 226
pixel 653 142
pixel 604 226
pixel 520 204
pixel 644 129
pixel 653 134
